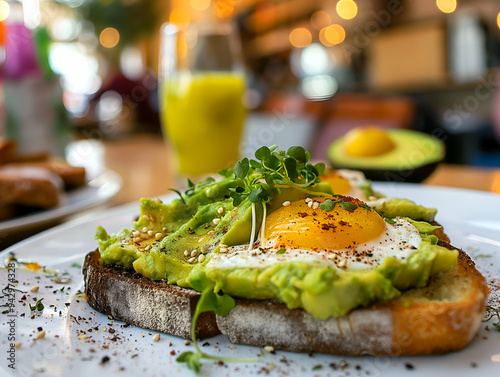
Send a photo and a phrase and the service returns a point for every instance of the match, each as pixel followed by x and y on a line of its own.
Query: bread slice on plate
pixel 442 317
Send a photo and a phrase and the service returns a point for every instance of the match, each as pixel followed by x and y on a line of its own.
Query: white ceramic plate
pixel 78 340
pixel 95 192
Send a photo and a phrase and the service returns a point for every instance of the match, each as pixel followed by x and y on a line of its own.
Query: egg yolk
pixel 340 185
pixel 368 142
pixel 298 226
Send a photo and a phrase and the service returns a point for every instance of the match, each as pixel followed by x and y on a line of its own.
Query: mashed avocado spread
pixel 270 229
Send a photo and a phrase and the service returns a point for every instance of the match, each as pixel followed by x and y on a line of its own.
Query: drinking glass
pixel 201 84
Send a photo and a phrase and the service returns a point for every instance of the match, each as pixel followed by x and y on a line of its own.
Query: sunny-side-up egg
pixel 356 238
pixel 346 182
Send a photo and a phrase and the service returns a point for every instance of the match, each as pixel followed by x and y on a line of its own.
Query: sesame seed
pixel 220 211
pixel 286 203
pixel 147 247
pixel 201 258
pixel 158 236
pixel 34 289
pixel 156 338
pixel 186 253
pixel 269 349
pixel 191 260
pixel 194 253
pixel 136 233
pixel 342 263
pixel 308 200
pixel 315 205
pixel 145 230
pixel 151 233
pixel 216 221
pixel 40 334
pixel 187 342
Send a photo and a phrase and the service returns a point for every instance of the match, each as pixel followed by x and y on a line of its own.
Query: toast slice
pixel 29 187
pixel 442 317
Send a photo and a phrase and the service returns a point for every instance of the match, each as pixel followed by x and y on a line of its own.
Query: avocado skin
pixel 416 175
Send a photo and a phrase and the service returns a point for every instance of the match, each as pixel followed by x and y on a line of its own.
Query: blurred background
pixel 315 68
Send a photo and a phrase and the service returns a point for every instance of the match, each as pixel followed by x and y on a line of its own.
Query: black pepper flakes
pixel 409 366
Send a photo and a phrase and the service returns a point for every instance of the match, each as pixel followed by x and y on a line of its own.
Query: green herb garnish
pixel 491 313
pixel 328 205
pixel 221 305
pixel 271 171
pixel 281 251
pixel 389 221
pixel 37 307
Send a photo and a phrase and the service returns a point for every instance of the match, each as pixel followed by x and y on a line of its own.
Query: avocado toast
pixel 272 249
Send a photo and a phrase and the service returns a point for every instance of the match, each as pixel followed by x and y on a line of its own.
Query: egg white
pixel 356 180
pixel 398 240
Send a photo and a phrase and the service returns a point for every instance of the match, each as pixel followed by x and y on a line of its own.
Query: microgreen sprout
pixel 271 171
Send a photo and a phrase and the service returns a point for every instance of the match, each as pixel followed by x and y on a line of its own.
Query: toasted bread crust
pixel 420 322
pixel 134 299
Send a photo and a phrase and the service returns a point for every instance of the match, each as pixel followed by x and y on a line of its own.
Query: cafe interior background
pixel 314 70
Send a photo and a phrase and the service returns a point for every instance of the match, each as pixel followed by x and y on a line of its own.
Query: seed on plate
pixel 205 248
pixel 216 221
pixel 156 338
pixel 147 248
pixel 269 349
pixel 342 263
pixel 34 289
pixel 186 253
pixel 315 205
pixel 151 233
pixel 164 229
pixel 286 203
pixel 137 239
pixel 191 260
pixel 308 200
pixel 201 258
pixel 158 236
pixel 18 345
pixel 144 230
pixel 310 204
pixel 194 253
pixel 40 334
pixel 136 233
pixel 158 200
pixel 187 342
pixel 220 211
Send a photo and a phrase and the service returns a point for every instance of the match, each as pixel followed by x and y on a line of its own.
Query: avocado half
pixel 414 158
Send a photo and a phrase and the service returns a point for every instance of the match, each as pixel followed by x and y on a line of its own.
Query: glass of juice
pixel 201 83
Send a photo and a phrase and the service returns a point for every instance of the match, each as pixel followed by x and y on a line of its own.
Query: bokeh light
pixel 498 20
pixel 4 10
pixel 320 19
pixel 347 9
pixel 109 37
pixel 179 16
pixel 200 5
pixel 332 35
pixel 224 8
pixel 446 6
pixel 300 37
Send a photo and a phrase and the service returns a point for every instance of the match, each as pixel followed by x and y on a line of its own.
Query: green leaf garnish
pixel 37 307
pixel 348 206
pixel 281 251
pixel 389 221
pixel 221 305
